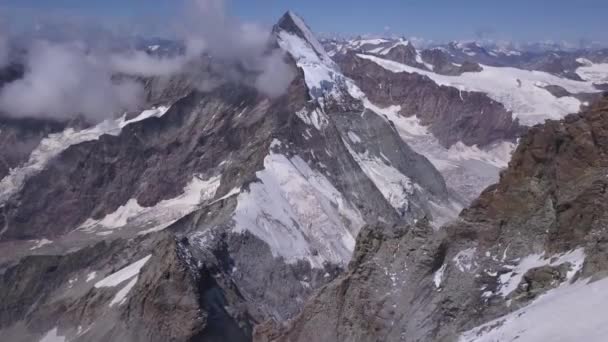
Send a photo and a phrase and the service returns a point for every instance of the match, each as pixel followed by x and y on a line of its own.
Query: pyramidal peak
pixel 323 77
pixel 291 23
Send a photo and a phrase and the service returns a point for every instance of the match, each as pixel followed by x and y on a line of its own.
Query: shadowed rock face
pixel 452 115
pixel 438 59
pixel 412 284
pixel 405 55
pixel 175 298
pixel 561 65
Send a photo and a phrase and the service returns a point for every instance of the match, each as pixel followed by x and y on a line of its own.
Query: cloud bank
pixel 65 78
pixel 207 25
pixel 62 81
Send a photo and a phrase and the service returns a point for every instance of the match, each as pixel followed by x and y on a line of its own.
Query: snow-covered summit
pixel 293 24
pixel 322 75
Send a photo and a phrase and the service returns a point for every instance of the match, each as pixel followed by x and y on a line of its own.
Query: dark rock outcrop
pixel 175 297
pixel 405 54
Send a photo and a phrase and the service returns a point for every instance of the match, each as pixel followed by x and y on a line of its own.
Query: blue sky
pixel 440 20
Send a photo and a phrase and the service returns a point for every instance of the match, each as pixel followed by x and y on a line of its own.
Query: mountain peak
pixel 291 23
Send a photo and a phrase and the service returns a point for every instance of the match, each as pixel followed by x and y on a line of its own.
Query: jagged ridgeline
pixel 328 213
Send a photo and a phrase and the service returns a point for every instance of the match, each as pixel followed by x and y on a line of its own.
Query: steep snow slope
pixel 298 213
pixel 521 91
pixel 572 312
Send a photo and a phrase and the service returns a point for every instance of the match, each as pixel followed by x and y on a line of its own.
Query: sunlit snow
pixel 572 312
pixel 124 274
pixel 298 213
pixel 510 280
pixel 465 259
pixel 41 243
pixel 160 216
pixel 520 91
pixel 592 72
pixel 121 296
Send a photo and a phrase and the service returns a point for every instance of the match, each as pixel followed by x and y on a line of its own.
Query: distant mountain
pixel 446 58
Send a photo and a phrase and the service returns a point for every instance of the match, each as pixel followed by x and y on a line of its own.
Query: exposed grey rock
pixel 420 285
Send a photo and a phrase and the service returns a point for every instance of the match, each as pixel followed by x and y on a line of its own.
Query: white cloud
pixel 62 81
pixel 141 63
pixel 68 77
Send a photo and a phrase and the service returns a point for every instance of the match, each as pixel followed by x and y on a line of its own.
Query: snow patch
pixel 160 216
pixel 121 296
pixel 124 274
pixel 91 276
pixel 41 243
pixel 314 118
pixel 421 61
pixel 438 277
pixel 510 281
pixel 361 42
pixel 354 137
pixel 465 260
pixel 498 155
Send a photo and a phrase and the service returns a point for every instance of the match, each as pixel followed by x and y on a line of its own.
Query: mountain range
pixel 390 193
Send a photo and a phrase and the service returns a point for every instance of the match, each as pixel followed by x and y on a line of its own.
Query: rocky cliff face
pixel 540 230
